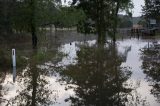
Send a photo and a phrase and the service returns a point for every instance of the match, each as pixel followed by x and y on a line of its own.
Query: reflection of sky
pixel 70 50
pixel 9 87
pixel 59 90
pixel 133 61
pixel 62 94
pixel 133 58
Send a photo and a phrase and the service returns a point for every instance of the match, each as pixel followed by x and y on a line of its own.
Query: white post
pixel 14 57
pixel 14 64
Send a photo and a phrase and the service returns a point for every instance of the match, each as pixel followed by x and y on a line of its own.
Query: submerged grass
pixel 6 61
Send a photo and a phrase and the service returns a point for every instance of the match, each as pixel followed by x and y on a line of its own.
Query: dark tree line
pixel 28 16
pixel 25 16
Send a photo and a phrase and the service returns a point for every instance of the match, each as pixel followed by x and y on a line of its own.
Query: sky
pixel 137 6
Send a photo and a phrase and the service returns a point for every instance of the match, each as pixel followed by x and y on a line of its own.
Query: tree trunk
pixel 101 22
pixel 34 85
pixel 33 25
pixel 115 21
pixel 34 37
pixel 35 75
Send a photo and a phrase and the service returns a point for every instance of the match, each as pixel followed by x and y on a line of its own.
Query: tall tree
pixel 152 9
pixel 104 13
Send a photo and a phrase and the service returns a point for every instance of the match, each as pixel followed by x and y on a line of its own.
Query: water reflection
pixel 151 67
pixel 2 77
pixel 35 86
pixel 89 74
pixel 14 74
pixel 3 72
pixel 98 76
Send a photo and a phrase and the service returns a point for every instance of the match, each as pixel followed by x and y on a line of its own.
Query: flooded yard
pixel 70 69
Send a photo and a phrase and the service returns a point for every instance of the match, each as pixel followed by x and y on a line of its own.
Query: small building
pixel 154 24
pixel 136 26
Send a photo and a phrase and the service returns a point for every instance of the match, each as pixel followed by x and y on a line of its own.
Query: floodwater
pixel 73 70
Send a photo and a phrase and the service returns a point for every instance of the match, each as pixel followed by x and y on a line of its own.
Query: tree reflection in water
pixel 4 67
pixel 2 76
pixel 36 87
pixel 98 76
pixel 151 67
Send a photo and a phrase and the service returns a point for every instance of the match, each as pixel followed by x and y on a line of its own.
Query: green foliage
pixel 68 17
pixel 86 26
pixel 104 13
pixel 43 11
pixel 40 13
pixel 151 9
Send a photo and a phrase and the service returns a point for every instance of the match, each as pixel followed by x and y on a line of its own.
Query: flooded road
pixel 76 71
